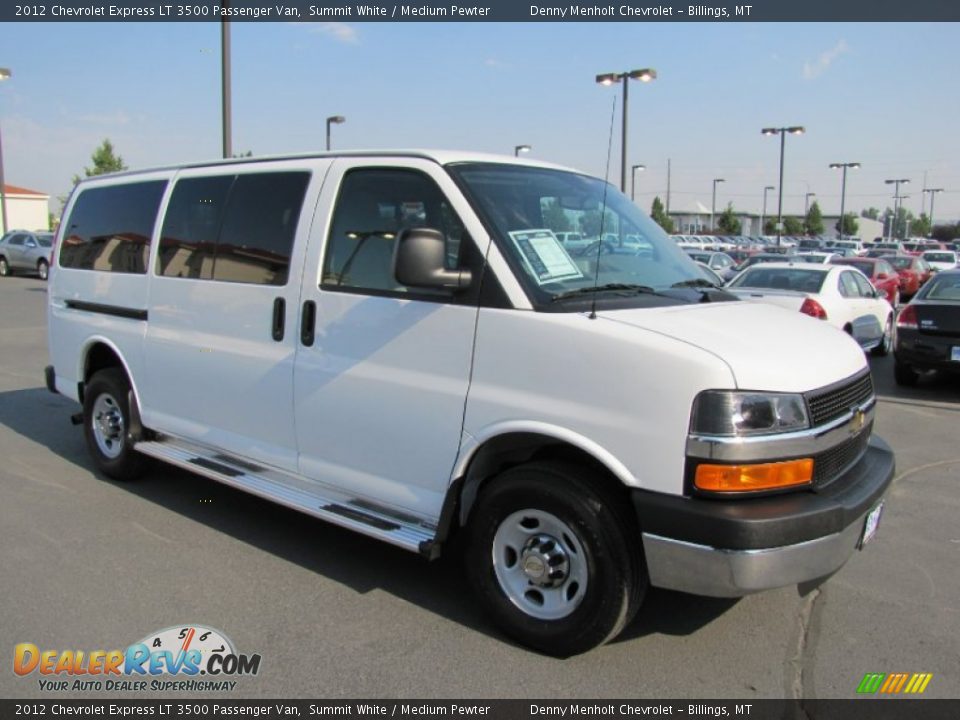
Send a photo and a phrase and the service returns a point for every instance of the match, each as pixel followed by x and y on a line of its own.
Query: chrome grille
pixel 830 403
pixel 828 465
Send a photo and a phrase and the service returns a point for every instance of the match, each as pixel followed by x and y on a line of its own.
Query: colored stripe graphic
pixel 871 683
pixel 894 683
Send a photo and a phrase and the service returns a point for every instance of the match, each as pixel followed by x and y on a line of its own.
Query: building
pixel 27 209
pixel 694 219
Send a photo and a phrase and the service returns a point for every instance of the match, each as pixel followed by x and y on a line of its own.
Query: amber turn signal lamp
pixel 744 478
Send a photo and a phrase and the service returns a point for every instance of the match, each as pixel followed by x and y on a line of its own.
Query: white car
pixel 941 259
pixel 839 294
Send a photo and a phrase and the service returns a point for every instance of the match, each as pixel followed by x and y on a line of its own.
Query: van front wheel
pixel 549 558
pixel 106 424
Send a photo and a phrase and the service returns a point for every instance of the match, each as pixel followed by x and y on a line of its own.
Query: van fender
pixel 82 362
pixel 464 487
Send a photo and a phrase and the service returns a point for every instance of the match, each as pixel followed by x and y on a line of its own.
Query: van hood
pixel 765 347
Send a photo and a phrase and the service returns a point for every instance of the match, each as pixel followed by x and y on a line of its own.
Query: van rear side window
pixel 110 228
pixel 234 228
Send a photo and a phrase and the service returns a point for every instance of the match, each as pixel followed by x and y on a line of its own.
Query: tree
pixel 555 218
pixel 870 213
pixel 770 226
pixel 728 223
pixel 104 161
pixel 659 215
pixel 850 225
pixel 792 226
pixel 813 222
pixel 921 226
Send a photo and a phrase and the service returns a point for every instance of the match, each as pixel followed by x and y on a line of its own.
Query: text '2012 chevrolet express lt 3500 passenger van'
pixel 397 343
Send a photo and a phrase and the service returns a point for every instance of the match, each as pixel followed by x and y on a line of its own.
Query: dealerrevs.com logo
pixel 188 658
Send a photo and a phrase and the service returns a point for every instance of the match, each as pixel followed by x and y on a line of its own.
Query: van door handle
pixel 308 319
pixel 279 315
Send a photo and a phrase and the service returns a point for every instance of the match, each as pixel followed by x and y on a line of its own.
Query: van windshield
pixel 565 234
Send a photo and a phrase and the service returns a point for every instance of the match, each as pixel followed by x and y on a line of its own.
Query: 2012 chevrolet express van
pixel 399 344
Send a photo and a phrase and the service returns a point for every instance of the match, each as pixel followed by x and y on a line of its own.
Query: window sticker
pixel 545 258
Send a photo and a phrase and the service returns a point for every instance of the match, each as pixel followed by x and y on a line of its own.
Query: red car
pixel 913 271
pixel 880 272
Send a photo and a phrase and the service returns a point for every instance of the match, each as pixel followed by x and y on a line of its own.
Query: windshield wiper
pixel 695 283
pixel 608 287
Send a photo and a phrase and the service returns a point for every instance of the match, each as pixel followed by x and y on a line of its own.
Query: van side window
pixel 373 207
pixel 190 228
pixel 234 228
pixel 256 239
pixel 110 228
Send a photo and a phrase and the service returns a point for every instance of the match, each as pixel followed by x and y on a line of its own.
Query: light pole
pixel 932 191
pixel 782 132
pixel 896 200
pixel 763 212
pixel 333 119
pixel 4 75
pixel 643 75
pixel 225 101
pixel 713 201
pixel 517 149
pixel 806 203
pixel 633 180
pixel 843 189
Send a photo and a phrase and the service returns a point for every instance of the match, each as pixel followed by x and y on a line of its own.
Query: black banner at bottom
pixel 855 709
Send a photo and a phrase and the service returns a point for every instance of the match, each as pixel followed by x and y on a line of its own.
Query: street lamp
pixel 763 212
pixel 806 203
pixel 896 199
pixel 643 75
pixel 782 132
pixel 843 189
pixel 633 180
pixel 225 83
pixel 713 201
pixel 517 149
pixel 4 75
pixel 333 119
pixel 932 191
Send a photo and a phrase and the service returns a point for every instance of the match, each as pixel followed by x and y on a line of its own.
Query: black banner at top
pixel 480 11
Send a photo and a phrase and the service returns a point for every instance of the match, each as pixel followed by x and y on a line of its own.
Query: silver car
pixel 25 251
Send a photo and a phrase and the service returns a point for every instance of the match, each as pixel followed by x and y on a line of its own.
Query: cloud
pixel 337 30
pixel 114 119
pixel 812 70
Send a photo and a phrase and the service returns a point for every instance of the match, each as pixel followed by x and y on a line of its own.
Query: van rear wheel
pixel 552 559
pixel 106 425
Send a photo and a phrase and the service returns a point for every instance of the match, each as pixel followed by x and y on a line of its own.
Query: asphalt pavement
pixel 87 563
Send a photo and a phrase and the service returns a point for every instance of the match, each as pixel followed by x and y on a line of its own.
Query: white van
pixel 397 343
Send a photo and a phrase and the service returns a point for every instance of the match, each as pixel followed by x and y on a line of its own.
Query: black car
pixel 928 330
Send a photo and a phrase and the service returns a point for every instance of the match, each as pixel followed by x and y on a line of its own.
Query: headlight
pixel 728 412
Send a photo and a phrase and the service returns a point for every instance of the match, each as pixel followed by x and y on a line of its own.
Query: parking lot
pixel 94 564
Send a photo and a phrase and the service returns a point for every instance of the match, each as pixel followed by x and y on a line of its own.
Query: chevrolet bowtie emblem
pixel 858 421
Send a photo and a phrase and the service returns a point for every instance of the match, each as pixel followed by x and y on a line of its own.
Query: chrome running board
pixel 396 528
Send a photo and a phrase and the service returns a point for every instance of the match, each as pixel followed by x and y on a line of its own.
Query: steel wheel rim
pixel 108 426
pixel 545 582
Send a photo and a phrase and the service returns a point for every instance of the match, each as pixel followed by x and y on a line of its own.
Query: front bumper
pixel 730 548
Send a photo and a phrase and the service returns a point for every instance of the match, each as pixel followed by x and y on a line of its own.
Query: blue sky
pixel 881 94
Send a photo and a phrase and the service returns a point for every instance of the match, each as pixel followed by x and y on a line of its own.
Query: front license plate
pixel 871 525
pixel 955 353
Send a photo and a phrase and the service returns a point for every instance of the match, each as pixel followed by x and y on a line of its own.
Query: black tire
pixel 43 269
pixel 600 579
pixel 904 374
pixel 886 342
pixel 4 268
pixel 106 426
